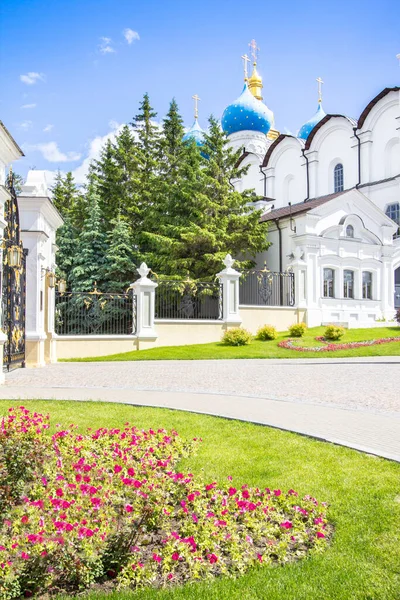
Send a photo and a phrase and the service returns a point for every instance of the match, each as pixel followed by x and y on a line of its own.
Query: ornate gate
pixel 13 284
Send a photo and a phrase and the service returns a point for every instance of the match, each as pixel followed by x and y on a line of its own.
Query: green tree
pixel 205 217
pixel 121 258
pixel 89 258
pixel 66 239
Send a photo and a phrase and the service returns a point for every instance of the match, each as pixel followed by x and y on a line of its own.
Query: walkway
pixel 353 402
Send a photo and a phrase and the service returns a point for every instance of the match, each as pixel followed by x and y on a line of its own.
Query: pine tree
pixel 65 194
pixel 90 252
pixel 66 240
pixel 205 217
pixel 121 258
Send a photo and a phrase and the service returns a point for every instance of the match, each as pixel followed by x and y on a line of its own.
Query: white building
pixel 331 196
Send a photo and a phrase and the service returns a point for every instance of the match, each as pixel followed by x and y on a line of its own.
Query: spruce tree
pixel 121 258
pixel 66 240
pixel 89 259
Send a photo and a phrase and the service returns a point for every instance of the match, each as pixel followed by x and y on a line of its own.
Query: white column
pixel 230 292
pixel 145 290
pixel 299 269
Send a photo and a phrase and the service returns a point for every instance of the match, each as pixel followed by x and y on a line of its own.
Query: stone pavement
pixel 352 402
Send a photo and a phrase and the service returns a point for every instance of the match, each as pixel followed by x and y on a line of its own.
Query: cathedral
pixel 331 197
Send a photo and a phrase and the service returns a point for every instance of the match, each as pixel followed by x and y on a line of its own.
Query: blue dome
pixel 309 126
pixel 247 113
pixel 195 133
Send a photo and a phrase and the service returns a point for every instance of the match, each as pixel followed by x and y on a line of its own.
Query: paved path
pixel 353 402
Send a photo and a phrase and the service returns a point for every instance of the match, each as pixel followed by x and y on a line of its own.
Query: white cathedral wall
pixel 381 136
pixel 286 174
pixel 333 144
pixel 253 179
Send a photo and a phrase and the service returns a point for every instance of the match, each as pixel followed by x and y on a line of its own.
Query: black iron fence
pixel 95 313
pixel 266 288
pixel 188 300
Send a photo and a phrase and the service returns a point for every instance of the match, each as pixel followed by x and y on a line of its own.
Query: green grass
pixel 267 349
pixel 363 561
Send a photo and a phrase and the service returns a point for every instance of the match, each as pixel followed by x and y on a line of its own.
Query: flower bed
pixel 109 504
pixel 332 346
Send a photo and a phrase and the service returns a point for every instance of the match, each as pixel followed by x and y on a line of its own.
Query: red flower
pixel 157 557
pixel 320 534
pixel 117 468
pixel 25 519
pixel 59 493
pixel 212 558
pixel 232 491
pixel 175 556
pixel 129 508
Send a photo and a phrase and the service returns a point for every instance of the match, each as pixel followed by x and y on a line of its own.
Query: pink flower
pixel 287 525
pixel 59 493
pixel 232 491
pixel 260 558
pixel 129 508
pixel 245 494
pixel 195 518
pixel 117 468
pixel 25 556
pixel 320 534
pixel 131 472
pixel 212 558
pixel 25 519
pixel 170 576
pixel 277 492
pixel 157 557
pixel 175 556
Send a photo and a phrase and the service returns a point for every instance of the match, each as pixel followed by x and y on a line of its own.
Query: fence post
pixel 145 290
pixel 230 292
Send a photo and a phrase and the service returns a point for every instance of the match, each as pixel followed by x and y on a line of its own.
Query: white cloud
pixel 94 149
pixel 105 46
pixel 32 77
pixel 48 128
pixel 52 153
pixel 29 106
pixel 25 125
pixel 130 35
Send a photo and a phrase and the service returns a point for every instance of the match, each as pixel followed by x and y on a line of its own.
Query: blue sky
pixel 81 77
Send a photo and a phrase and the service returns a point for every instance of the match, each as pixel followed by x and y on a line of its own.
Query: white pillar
pixel 145 290
pixel 230 292
pixel 39 222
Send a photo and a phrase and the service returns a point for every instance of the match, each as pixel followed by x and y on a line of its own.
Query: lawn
pixel 268 349
pixel 363 492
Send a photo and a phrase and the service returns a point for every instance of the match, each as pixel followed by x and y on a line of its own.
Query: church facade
pixel 331 197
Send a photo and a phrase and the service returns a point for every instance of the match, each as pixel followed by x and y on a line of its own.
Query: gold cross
pixel 246 60
pixel 254 50
pixel 196 107
pixel 320 82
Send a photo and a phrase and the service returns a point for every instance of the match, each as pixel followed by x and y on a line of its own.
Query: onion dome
pixel 309 126
pixel 195 133
pixel 247 114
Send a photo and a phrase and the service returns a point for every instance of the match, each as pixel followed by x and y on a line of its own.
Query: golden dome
pixel 255 83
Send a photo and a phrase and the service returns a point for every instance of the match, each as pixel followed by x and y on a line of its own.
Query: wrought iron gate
pixel 13 284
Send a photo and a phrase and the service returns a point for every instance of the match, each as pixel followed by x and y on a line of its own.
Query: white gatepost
pixel 229 278
pixel 145 290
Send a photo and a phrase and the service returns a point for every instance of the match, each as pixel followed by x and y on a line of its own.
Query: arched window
pixel 350 231
pixel 393 212
pixel 338 179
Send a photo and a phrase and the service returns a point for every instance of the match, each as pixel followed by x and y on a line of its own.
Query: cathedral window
pixel 367 285
pixel 329 283
pixel 348 284
pixel 338 178
pixel 350 231
pixel 393 212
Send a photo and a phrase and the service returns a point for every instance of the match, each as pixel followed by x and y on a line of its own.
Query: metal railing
pixel 261 287
pixel 188 300
pixel 95 313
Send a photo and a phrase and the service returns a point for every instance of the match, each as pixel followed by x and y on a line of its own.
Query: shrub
pixel 334 332
pixel 297 329
pixel 237 337
pixel 111 504
pixel 267 332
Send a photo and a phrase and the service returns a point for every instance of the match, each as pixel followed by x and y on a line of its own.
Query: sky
pixel 72 72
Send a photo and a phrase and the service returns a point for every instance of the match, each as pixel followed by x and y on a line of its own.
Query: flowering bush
pixel 267 332
pixel 290 345
pixel 297 329
pixel 334 332
pixel 238 336
pixel 109 504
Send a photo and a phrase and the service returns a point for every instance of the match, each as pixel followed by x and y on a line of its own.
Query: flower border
pixel 332 347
